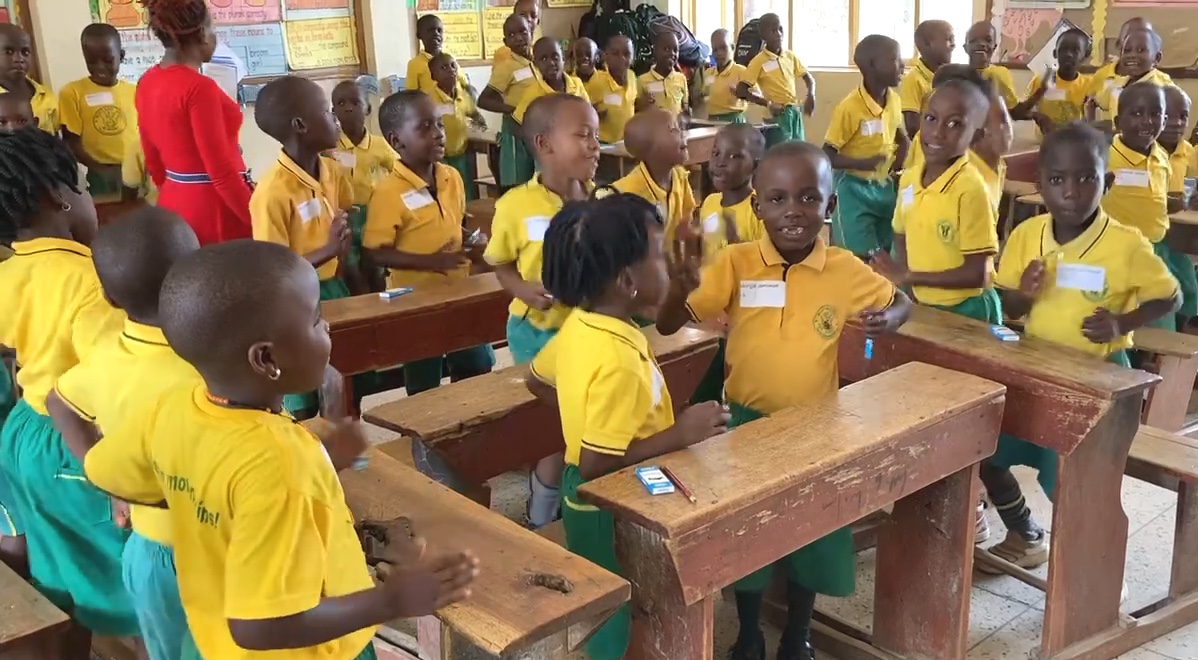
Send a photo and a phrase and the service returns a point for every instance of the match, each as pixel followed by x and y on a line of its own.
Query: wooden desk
pixel 1023 161
pixel 911 437
pixel 1086 410
pixel 28 622
pixel 1183 232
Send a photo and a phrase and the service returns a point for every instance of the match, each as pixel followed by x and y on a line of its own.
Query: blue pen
pixel 869 348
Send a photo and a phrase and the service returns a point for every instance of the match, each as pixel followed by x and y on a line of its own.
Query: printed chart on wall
pixel 272 37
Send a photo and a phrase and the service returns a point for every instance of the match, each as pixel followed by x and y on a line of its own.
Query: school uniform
pixel 669 93
pixel 943 223
pixel 993 178
pixel 261 527
pixel 611 394
pixel 45 107
pixel 123 375
pixel 1140 199
pixel 916 87
pixel 619 101
pixel 574 87
pixel 103 118
pixel 1102 79
pixel 1181 166
pixel 786 322
pixel 133 170
pixel 455 112
pixel 56 315
pixel 776 75
pixel 512 78
pixel 860 128
pixel 676 206
pixel 364 164
pixel 719 85
pixel 1108 99
pixel 1004 84
pixel 1064 101
pixel 419 77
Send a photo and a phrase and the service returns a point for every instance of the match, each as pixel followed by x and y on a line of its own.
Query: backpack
pixel 748 43
pixel 640 25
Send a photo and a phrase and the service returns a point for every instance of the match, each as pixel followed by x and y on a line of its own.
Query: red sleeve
pixel 220 155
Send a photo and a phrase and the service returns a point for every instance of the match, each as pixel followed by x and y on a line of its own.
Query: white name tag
pixel 711 224
pixel 659 384
pixel 1081 277
pixel 99 98
pixel 771 65
pixel 346 158
pixel 536 227
pixel 871 126
pixel 709 80
pixel 1115 92
pixel 663 209
pixel 522 74
pixel 613 99
pixel 1109 83
pixel 309 210
pixel 445 109
pixel 908 195
pixel 415 199
pixel 762 293
pixel 656 87
pixel 1054 94
pixel 1132 178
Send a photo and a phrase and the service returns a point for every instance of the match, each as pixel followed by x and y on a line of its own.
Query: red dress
pixel 189 133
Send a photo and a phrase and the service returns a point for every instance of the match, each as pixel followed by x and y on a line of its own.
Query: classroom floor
pixel 1005 614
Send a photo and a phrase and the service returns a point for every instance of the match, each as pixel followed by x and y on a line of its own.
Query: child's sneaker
pixel 801 651
pixel 752 648
pixel 981 528
pixel 1020 551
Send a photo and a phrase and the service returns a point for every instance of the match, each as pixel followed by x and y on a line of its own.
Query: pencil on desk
pixel 677 482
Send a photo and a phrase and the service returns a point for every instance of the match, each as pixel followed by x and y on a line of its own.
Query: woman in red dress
pixel 190 127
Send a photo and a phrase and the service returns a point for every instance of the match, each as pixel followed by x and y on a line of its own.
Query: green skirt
pixel 864 213
pixel 591 534
pixel 357 225
pixel 985 307
pixel 515 162
pixel 462 163
pixel 426 374
pixel 789 127
pixel 731 117
pixel 103 189
pixel 711 386
pixel 1182 268
pixel 827 565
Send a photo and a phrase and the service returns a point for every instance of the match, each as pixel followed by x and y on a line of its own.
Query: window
pixel 710 16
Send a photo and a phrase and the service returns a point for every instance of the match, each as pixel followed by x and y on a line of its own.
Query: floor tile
pixel 1180 644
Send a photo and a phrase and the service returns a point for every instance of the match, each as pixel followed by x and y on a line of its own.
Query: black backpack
pixel 748 43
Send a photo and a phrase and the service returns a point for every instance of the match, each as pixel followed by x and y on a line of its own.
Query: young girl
pixel 510 80
pixel 605 258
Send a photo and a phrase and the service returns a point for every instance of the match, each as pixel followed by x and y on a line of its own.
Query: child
pixel 606 259
pixel 530 11
pixel 613 91
pixel 720 81
pixel 584 60
pixel 1172 140
pixel 777 71
pixel 664 86
pixel 654 138
pixel 819 289
pixel 267 555
pixel 510 81
pixel 431 33
pixel 132 256
pixel 1139 56
pixel 15 112
pixel 1140 195
pixel 1059 97
pixel 935 43
pixel 14 77
pixel 567 165
pixel 1123 286
pixel 727 215
pixel 98 114
pixel 457 110
pixel 980 43
pixel 865 139
pixel 415 229
pixel 55 316
pixel 1104 78
pixel 300 201
pixel 552 78
pixel 989 147
pixel 135 180
pixel 365 158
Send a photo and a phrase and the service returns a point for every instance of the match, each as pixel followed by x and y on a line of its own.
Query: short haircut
pixel 426 21
pixel 922 30
pixel 1081 34
pixel 541 116
pixel 347 85
pixel 100 31
pixel 133 254
pixel 796 149
pixel 33 165
pixel 870 47
pixel 278 104
pixel 751 135
pixel 440 57
pixel 975 94
pixel 1077 133
pixel 394 110
pixel 615 37
pixel 511 20
pixel 769 19
pixel 1135 90
pixel 1176 92
pixel 545 42
pixel 1154 38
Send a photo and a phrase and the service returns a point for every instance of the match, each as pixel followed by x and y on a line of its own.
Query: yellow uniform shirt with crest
pixel 1181 166
pixel 720 89
pixel 122 376
pixel 715 218
pixel 1102 79
pixel 55 313
pixel 786 319
pixel 518 236
pixel 1004 84
pixel 574 87
pixel 617 101
pixel 610 389
pixel 45 107
pixel 419 77
pixel 860 128
pixel 513 77
pixel 365 163
pixel 916 87
pixel 1108 98
pixel 103 117
pixel 1140 196
pixel 261 526
pixel 133 169
pixel 1109 265
pixel 291 208
pixel 1064 100
pixel 668 92
pixel 455 113
pixel 676 206
pixel 406 217
pixel 944 223
pixel 776 75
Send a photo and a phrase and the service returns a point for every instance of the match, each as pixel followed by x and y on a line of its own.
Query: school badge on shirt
pixel 946 232
pixel 824 321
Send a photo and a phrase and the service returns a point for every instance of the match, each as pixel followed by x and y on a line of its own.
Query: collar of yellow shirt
pixel 1079 245
pixel 344 142
pixel 815 261
pixel 1133 157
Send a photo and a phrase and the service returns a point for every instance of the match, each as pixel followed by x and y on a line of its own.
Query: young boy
pixel 267 555
pixel 935 43
pixel 613 91
pixel 431 33
pixel 415 229
pixel 365 158
pixel 457 110
pixel 865 139
pixel 1172 140
pixel 132 256
pixel 664 86
pixel 511 79
pixel 654 138
pixel 727 215
pixel 980 43
pixel 98 114
pixel 584 60
pixel 720 81
pixel 552 125
pixel 552 78
pixel 15 112
pixel 1138 58
pixel 14 77
pixel 820 288
pixel 530 11
pixel 1059 97
pixel 1104 78
pixel 776 72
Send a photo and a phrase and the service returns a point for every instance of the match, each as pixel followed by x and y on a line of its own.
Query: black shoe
pixel 789 650
pixel 752 648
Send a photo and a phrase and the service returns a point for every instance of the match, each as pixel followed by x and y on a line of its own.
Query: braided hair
pixel 589 243
pixel 33 164
pixel 176 22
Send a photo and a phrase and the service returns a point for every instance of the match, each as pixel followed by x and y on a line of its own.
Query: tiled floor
pixel 1005 614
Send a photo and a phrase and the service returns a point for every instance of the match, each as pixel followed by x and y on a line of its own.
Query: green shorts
pixel 423 375
pixel 711 386
pixel 827 565
pixel 103 188
pixel 525 340
pixel 515 162
pixel 789 127
pixel 864 213
pixel 731 117
pixel 1182 268
pixel 462 163
pixel 357 225
pixel 985 307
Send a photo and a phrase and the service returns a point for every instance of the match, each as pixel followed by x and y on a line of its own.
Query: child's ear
pixel 833 200
pixel 298 125
pixel 1158 58
pixel 369 109
pixel 262 361
pixel 542 144
pixel 1108 182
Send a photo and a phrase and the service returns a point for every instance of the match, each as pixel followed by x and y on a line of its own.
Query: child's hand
pixel 730 233
pixel 775 109
pixel 878 321
pixel 701 421
pixel 344 440
pixel 875 160
pixel 476 246
pixel 1032 280
pixel 448 258
pixel 425 587
pixel 536 297
pixel 120 513
pixel 339 234
pixel 1102 327
pixel 887 267
pixel 809 104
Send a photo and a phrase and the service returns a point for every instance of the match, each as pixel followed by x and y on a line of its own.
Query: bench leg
pixel 435 639
pixel 1167 402
pixel 1184 579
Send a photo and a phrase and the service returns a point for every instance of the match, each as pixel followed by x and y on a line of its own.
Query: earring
pixel 275 372
pixel 634 292
pixel 65 206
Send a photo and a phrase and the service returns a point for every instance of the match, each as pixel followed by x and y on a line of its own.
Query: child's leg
pixel 524 341
pixel 470 362
pixel 1182 269
pixel 148 571
pixel 750 593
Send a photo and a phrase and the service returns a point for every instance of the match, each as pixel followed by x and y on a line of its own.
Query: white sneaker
pixel 981 528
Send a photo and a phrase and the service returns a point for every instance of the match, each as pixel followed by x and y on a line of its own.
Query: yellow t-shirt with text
pixel 1140 196
pixel 617 101
pixel 669 93
pixel 719 86
pixel 365 163
pixel 103 117
pixel 860 128
pixel 676 206
pixel 776 75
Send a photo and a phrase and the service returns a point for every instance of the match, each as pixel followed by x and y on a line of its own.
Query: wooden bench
pixel 30 625
pixel 1175 356
pixel 911 437
pixel 510 611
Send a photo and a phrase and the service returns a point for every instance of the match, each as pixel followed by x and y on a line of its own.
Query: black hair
pixel 921 30
pixel 753 138
pixel 439 57
pixel 541 115
pixel 348 84
pixel 278 104
pixel 974 92
pixel 426 20
pixel 1083 35
pixel 543 41
pixel 611 37
pixel 393 111
pixel 33 165
pixel 589 243
pixel 516 17
pixel 1077 133
pixel 1154 38
pixel 100 31
pixel 964 73
pixel 770 17
pixel 1137 89
pixel 870 47
pixel 794 149
pixel 134 253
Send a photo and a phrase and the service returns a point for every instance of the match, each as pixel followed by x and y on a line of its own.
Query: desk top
pixel 347 311
pixel 24 613
pixel 1186 217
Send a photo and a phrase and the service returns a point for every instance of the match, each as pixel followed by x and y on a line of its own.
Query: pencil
pixel 677 482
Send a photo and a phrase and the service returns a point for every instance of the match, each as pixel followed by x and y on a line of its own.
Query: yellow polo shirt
pixel 1102 79
pixel 1181 165
pixel 994 178
pixel 365 163
pixel 943 223
pixel 103 117
pixel 291 208
pixel 1004 84
pixel 261 526
pixel 1064 100
pixel 522 215
pixel 406 217
pixel 455 112
pixel 786 319
pixel 45 107
pixel 55 313
pixel 129 373
pixel 776 75
pixel 1140 196
pixel 861 128
pixel 669 92
pixel 916 87
pixel 574 87
pixel 1131 275
pixel 715 217
pixel 720 89
pixel 676 206
pixel 618 100
pixel 513 77
pixel 610 389
pixel 133 169
pixel 419 77
pixel 1108 98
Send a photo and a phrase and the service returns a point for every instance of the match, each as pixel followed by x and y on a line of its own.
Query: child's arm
pixel 1036 91
pixel 503 252
pixel 746 92
pixel 912 102
pixel 902 145
pixel 809 81
pixel 385 219
pixel 694 425
pixel 1153 284
pixel 911 122
pixel 532 294
pixel 79 434
pixel 271 217
pixel 491 100
pixel 977 241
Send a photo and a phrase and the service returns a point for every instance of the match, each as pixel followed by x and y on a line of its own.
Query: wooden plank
pixel 27 620
pixel 1165 342
pixel 1173 454
pixel 480 213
